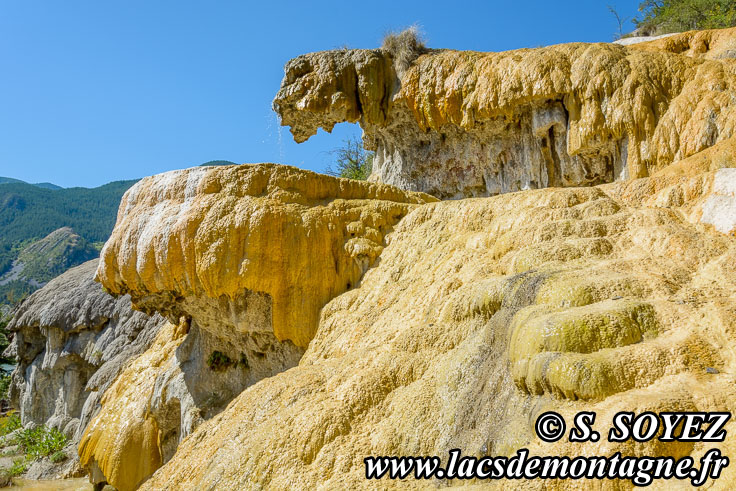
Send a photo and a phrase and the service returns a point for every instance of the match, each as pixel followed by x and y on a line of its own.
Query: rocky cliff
pixel 44 259
pixel 459 124
pixel 479 315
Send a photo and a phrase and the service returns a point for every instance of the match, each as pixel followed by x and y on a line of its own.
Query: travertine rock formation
pixel 479 315
pixel 702 187
pixel 71 340
pixel 125 444
pixel 461 124
pixel 314 321
pixel 241 259
pixel 482 314
pixel 714 44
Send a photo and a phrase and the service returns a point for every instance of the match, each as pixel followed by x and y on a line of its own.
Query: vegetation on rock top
pixel 666 16
pixel 404 47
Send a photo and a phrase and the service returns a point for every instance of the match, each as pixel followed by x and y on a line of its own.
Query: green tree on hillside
pixel 664 16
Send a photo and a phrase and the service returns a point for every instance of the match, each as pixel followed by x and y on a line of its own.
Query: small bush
pixel 404 47
pixel 58 456
pixel 352 160
pixel 40 441
pixel 19 467
pixel 9 423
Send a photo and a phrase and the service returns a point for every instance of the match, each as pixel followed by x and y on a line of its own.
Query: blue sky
pixel 94 91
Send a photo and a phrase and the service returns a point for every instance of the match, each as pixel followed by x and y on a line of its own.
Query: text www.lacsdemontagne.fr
pixel 641 471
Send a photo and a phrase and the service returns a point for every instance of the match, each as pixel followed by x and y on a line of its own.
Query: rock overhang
pixel 224 233
pixel 459 124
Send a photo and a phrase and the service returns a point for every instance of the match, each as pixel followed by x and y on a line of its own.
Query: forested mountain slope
pixel 30 212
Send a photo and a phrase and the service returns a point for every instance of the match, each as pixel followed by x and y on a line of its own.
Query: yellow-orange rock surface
pixel 482 314
pixel 299 237
pixel 244 257
pixel 123 441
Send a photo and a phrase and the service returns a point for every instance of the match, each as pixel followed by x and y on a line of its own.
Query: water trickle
pixel 273 125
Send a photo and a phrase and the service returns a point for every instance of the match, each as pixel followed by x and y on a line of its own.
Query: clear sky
pixel 96 91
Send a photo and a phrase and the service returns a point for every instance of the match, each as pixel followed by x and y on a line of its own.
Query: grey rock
pixel 71 340
pixel 192 391
pixel 46 469
pixel 193 387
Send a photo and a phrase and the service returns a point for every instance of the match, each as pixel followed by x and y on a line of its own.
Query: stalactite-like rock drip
pixel 462 124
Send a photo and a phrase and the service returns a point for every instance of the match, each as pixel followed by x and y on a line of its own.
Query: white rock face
pixel 719 209
pixel 71 341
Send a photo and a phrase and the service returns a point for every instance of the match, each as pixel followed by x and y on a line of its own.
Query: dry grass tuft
pixel 404 47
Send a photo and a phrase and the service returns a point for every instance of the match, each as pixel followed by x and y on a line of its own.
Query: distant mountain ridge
pixel 44 259
pixel 45 185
